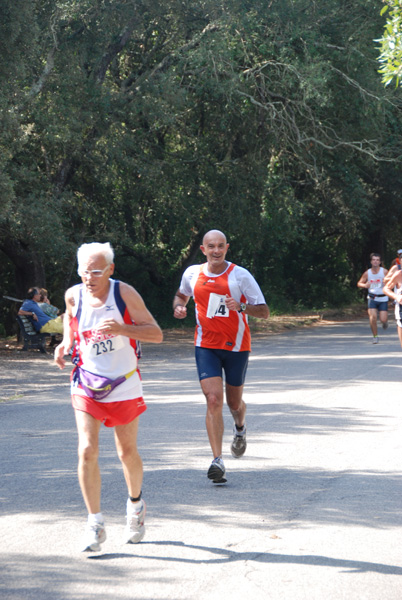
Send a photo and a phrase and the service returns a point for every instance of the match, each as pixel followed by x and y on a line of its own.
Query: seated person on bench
pixel 44 303
pixel 42 322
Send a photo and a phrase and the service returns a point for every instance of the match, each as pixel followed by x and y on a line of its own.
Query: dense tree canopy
pixel 146 123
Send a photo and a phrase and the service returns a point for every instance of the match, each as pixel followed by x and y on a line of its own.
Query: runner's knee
pixel 127 453
pixel 236 406
pixel 88 453
pixel 214 401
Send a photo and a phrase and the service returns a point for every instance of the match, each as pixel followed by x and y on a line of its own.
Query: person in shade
pixel 42 322
pixel 44 304
pixel 224 295
pixel 106 319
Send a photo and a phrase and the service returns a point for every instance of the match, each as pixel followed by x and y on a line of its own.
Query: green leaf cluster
pixel 390 46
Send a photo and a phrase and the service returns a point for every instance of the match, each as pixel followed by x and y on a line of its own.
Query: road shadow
pixel 128 575
pixel 225 555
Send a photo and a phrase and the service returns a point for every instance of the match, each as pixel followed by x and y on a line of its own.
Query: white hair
pixel 86 251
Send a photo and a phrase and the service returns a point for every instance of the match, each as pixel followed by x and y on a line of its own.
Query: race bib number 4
pixel 217 306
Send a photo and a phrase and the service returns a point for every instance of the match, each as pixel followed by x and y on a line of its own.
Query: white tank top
pixel 376 281
pixel 103 354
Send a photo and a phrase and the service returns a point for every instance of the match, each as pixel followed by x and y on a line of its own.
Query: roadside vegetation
pixel 147 123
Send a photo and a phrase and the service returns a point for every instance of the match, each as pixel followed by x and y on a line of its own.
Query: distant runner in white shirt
pixel 373 281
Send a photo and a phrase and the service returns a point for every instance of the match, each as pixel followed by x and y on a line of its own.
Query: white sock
pixel 134 506
pixel 96 518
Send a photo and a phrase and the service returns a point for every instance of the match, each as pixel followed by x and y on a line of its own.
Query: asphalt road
pixel 312 511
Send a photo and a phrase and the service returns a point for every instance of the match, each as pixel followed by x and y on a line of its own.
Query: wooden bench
pixel 31 337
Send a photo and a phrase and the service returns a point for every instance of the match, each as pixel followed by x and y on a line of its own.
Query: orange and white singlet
pixel 217 326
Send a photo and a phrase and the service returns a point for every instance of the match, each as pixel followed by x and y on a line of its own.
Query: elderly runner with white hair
pixel 106 319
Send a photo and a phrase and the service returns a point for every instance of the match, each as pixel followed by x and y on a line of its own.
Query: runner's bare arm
pixel 259 311
pixel 363 281
pixel 388 288
pixel 390 274
pixel 68 336
pixel 180 305
pixel 144 329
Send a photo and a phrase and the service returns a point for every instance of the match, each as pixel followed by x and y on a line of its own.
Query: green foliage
pixel 391 43
pixel 147 124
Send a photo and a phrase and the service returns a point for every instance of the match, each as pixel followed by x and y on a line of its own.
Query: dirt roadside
pixel 11 348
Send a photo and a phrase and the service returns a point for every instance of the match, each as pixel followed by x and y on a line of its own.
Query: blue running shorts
pixel 380 306
pixel 211 362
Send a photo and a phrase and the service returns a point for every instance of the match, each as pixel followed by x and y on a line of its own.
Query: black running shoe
pixel 217 470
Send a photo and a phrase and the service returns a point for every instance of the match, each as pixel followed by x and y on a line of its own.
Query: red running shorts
pixel 110 413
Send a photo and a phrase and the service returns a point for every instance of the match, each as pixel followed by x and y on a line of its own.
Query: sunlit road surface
pixel 312 511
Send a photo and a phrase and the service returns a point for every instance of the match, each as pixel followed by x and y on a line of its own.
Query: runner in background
pixel 393 290
pixel 373 281
pixel 395 266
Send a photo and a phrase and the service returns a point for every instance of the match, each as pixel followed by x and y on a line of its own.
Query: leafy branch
pixel 390 48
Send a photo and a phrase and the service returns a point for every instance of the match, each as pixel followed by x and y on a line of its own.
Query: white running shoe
pixel 135 528
pixel 94 536
pixel 375 339
pixel 239 442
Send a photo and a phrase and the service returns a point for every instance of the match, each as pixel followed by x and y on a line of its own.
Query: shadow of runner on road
pixel 228 556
